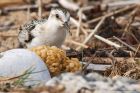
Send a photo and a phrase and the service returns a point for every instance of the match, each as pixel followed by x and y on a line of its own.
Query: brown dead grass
pixel 128 69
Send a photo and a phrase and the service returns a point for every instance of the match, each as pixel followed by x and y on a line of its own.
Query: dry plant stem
pixel 127 28
pixel 128 25
pixel 87 8
pixel 77 43
pixel 17 77
pixel 137 50
pixel 112 58
pixel 107 41
pixel 130 47
pixel 8 27
pixel 122 3
pixel 128 73
pixel 84 8
pixel 16 8
pixel 69 5
pixel 85 66
pixel 75 22
pixel 112 13
pixel 79 24
pixel 135 38
pixel 5 3
pixel 92 33
pixel 28 14
pixel 9 34
pixel 137 18
pixel 39 8
pixel 108 61
pixel 84 31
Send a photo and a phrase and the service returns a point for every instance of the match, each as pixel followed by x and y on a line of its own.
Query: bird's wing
pixel 25 35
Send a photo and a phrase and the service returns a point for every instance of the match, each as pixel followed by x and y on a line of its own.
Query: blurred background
pixel 105 33
pixel 122 21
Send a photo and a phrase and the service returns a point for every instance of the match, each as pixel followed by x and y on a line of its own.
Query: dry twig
pixel 77 43
pixel 80 22
pixel 17 8
pixel 8 34
pixel 93 32
pixel 39 8
pixel 8 27
pixel 130 47
pixel 122 3
pixel 112 13
pixel 108 61
pixel 137 50
pixel 69 5
pixel 107 41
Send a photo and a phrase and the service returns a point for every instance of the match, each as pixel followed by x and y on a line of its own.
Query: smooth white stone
pixel 16 61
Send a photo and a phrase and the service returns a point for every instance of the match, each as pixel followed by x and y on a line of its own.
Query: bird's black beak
pixel 67 27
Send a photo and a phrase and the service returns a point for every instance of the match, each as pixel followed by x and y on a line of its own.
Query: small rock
pixel 17 62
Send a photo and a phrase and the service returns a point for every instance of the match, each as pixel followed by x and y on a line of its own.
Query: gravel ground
pixel 95 83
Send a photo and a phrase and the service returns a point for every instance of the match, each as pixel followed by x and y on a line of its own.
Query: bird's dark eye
pixel 57 16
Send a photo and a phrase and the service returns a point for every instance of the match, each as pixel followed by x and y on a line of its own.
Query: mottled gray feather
pixel 25 35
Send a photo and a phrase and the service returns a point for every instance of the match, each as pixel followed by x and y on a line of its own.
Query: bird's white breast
pixel 45 35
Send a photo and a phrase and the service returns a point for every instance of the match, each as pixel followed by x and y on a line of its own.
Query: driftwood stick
pixel 130 47
pixel 112 13
pixel 107 41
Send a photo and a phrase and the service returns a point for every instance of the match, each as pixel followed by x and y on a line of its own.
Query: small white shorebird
pixel 51 31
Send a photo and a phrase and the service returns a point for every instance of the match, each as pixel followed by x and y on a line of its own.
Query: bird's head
pixel 61 17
